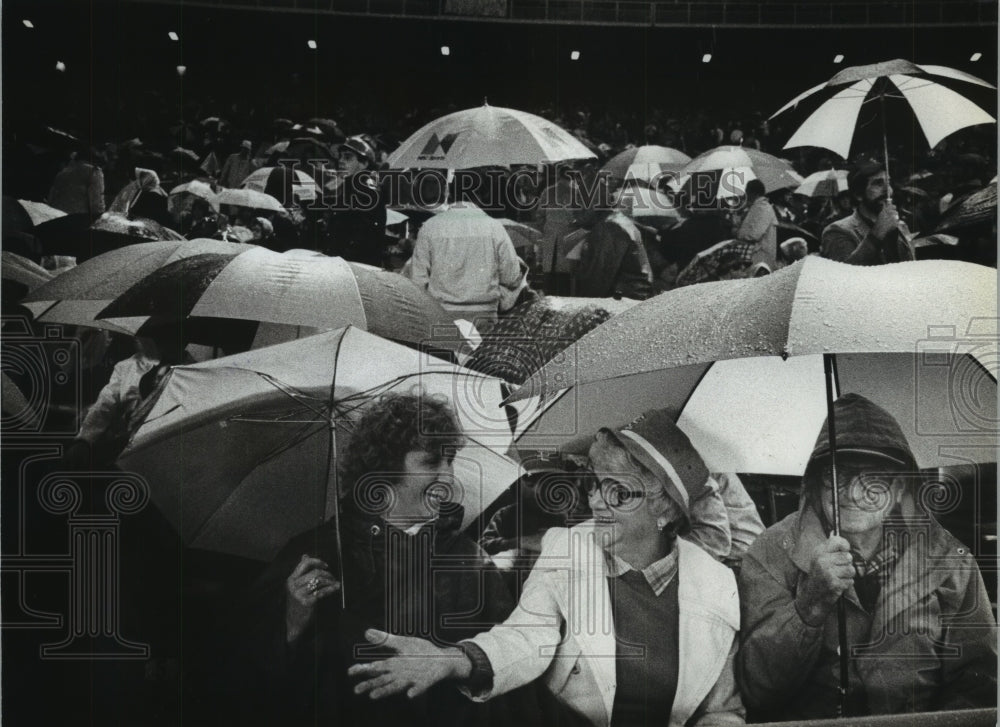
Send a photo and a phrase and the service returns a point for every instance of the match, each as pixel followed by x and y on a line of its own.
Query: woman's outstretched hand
pixel 416 667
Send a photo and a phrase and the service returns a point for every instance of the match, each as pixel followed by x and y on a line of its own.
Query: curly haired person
pixel 407 569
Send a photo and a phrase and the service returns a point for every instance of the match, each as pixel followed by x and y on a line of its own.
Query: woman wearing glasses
pixel 624 622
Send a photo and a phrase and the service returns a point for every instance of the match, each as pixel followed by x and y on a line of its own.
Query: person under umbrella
pixel 874 234
pixel 670 610
pixel 402 563
pixel 759 225
pixel 909 587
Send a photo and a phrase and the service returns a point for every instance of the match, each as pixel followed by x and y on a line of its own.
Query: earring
pixel 661 524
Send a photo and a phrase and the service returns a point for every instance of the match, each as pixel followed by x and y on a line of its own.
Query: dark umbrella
pixel 977 207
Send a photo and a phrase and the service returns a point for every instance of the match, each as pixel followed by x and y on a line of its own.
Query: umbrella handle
pixel 832 386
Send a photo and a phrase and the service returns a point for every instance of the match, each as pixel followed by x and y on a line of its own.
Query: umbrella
pixel 249 198
pixel 79 294
pixel 112 230
pixel 304 187
pixel 303 148
pixel 811 307
pixel 22 271
pixel 521 235
pixel 392 217
pixel 300 292
pixel 705 265
pixel 39 213
pixel 977 207
pixel 645 163
pixel 240 452
pixel 329 128
pixel 487 136
pixel 826 183
pixel 723 172
pixel 522 342
pixel 650 206
pixel 839 114
pixel 182 195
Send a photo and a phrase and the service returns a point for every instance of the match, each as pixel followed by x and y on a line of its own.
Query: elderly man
pixel 920 630
pixel 874 234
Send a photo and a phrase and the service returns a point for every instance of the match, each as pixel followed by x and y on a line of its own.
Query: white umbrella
pixel 645 163
pixel 304 187
pixel 730 168
pixel 825 183
pixel 249 198
pixel 487 136
pixel 194 188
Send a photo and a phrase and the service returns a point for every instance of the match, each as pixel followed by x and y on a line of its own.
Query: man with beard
pixel 874 234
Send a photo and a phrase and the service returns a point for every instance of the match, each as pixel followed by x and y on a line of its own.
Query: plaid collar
pixel 658 574
pixel 881 562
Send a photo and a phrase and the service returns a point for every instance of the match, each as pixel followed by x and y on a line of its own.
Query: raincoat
pixel 614 262
pixel 436 584
pixel 462 258
pixel 562 632
pixel 929 643
pixel 850 240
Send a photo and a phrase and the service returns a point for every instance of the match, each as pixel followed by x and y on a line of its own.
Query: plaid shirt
pixel 881 562
pixel 658 574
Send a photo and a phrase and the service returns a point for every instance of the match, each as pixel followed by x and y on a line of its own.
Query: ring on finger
pixel 313 584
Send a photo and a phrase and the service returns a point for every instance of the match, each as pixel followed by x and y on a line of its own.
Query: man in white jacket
pixel 463 257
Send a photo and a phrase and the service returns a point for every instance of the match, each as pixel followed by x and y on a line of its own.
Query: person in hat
pixel 920 630
pixel 624 620
pixel 357 203
pixel 238 166
pixel 874 234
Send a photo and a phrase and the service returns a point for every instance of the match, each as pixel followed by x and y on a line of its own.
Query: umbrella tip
pixel 486 101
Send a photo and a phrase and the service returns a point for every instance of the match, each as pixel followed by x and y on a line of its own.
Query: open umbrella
pixel 723 173
pixel 20 270
pixel 182 195
pixel 977 207
pixel 249 198
pixel 805 321
pixel 825 183
pixel 522 235
pixel 645 163
pixel 240 452
pixel 487 136
pixel 649 206
pixel 840 115
pixel 298 293
pixel 80 293
pixel 304 187
pixel 39 213
pixel 705 265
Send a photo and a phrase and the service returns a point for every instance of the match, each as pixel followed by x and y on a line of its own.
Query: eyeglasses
pixel 615 493
pixel 848 475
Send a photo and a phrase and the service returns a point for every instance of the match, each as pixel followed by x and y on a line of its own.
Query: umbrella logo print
pixel 437 144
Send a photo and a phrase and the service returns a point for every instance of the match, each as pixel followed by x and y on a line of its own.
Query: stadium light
pixel 28 23
pixel 707 58
pixel 181 70
pixel 975 57
pixel 574 55
pixel 173 36
pixel 311 44
pixel 60 66
pixel 445 50
pixel 839 58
